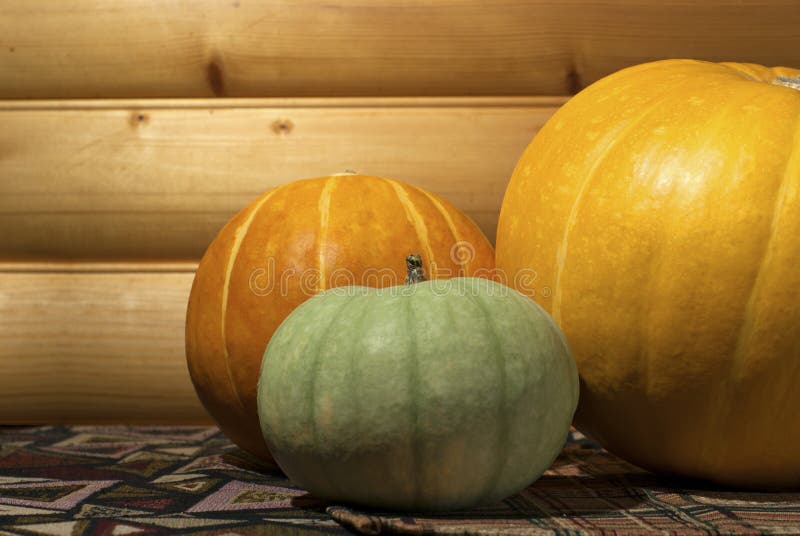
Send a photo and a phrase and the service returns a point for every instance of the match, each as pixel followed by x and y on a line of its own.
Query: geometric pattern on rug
pixel 57 495
pixel 239 495
pixel 87 480
pixel 119 480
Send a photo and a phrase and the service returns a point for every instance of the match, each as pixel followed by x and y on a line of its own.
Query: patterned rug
pixel 115 480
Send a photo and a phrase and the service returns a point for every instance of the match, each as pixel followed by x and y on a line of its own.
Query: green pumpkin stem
pixel 415 273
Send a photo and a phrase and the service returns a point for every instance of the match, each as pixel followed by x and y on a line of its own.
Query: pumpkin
pixel 433 396
pixel 656 216
pixel 287 245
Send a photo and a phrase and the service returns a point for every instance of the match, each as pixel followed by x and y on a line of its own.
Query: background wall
pixel 280 48
pixel 131 131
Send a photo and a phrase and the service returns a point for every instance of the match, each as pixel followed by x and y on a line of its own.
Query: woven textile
pixel 143 480
pixel 163 480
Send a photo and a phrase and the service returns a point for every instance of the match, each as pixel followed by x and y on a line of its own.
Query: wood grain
pixel 95 344
pixel 141 180
pixel 244 48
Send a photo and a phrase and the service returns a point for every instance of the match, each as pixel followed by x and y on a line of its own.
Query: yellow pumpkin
pixel 656 216
pixel 292 242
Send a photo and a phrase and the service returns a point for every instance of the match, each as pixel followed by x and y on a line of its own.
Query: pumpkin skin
pixel 435 396
pixel 288 244
pixel 660 211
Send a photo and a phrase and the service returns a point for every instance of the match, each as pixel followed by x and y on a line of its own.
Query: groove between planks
pixel 541 101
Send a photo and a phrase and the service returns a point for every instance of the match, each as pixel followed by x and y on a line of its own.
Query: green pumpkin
pixel 437 395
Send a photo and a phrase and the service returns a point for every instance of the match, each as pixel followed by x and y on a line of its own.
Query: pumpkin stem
pixel 415 273
pixel 792 82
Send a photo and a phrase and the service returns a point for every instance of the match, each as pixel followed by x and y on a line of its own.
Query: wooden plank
pixel 129 181
pixel 610 35
pixel 243 48
pixel 112 48
pixel 89 346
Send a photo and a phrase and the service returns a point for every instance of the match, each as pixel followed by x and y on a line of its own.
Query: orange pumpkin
pixel 660 212
pixel 287 245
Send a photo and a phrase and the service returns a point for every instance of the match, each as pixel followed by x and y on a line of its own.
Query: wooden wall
pixel 279 48
pixel 131 131
pixel 157 179
pixel 106 206
pixel 94 342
